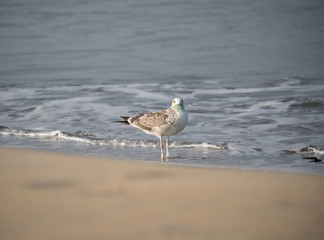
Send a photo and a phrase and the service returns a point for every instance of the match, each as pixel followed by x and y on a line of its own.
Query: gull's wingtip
pixel 123 122
pixel 125 118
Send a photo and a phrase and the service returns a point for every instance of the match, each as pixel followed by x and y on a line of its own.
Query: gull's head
pixel 177 104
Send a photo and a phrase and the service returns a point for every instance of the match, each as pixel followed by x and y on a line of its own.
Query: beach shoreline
pixel 52 195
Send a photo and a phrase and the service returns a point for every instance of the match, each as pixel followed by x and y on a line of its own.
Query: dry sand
pixel 55 196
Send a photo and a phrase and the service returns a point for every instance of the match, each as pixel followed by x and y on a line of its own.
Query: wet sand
pixel 56 196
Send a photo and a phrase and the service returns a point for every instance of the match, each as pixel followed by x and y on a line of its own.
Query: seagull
pixel 163 123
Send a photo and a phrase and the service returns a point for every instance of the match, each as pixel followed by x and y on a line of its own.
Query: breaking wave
pixel 309 152
pixel 90 139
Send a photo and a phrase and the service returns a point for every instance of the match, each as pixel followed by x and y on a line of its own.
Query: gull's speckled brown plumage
pixel 166 123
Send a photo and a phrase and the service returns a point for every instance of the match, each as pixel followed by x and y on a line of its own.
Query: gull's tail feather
pixel 123 122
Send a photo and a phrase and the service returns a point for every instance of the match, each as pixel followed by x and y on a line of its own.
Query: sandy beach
pixel 55 196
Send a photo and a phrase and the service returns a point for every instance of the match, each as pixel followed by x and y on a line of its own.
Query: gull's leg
pixel 161 146
pixel 167 146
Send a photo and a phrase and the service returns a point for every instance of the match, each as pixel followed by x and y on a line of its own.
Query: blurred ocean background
pixel 251 74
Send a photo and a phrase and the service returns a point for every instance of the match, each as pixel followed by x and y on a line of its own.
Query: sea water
pixel 250 73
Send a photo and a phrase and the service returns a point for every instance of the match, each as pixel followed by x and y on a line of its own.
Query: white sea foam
pixel 309 151
pixel 57 135
pixel 205 146
pixel 319 153
pixel 272 106
pixel 291 84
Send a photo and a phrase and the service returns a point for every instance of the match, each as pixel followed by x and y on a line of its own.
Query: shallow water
pixel 250 74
